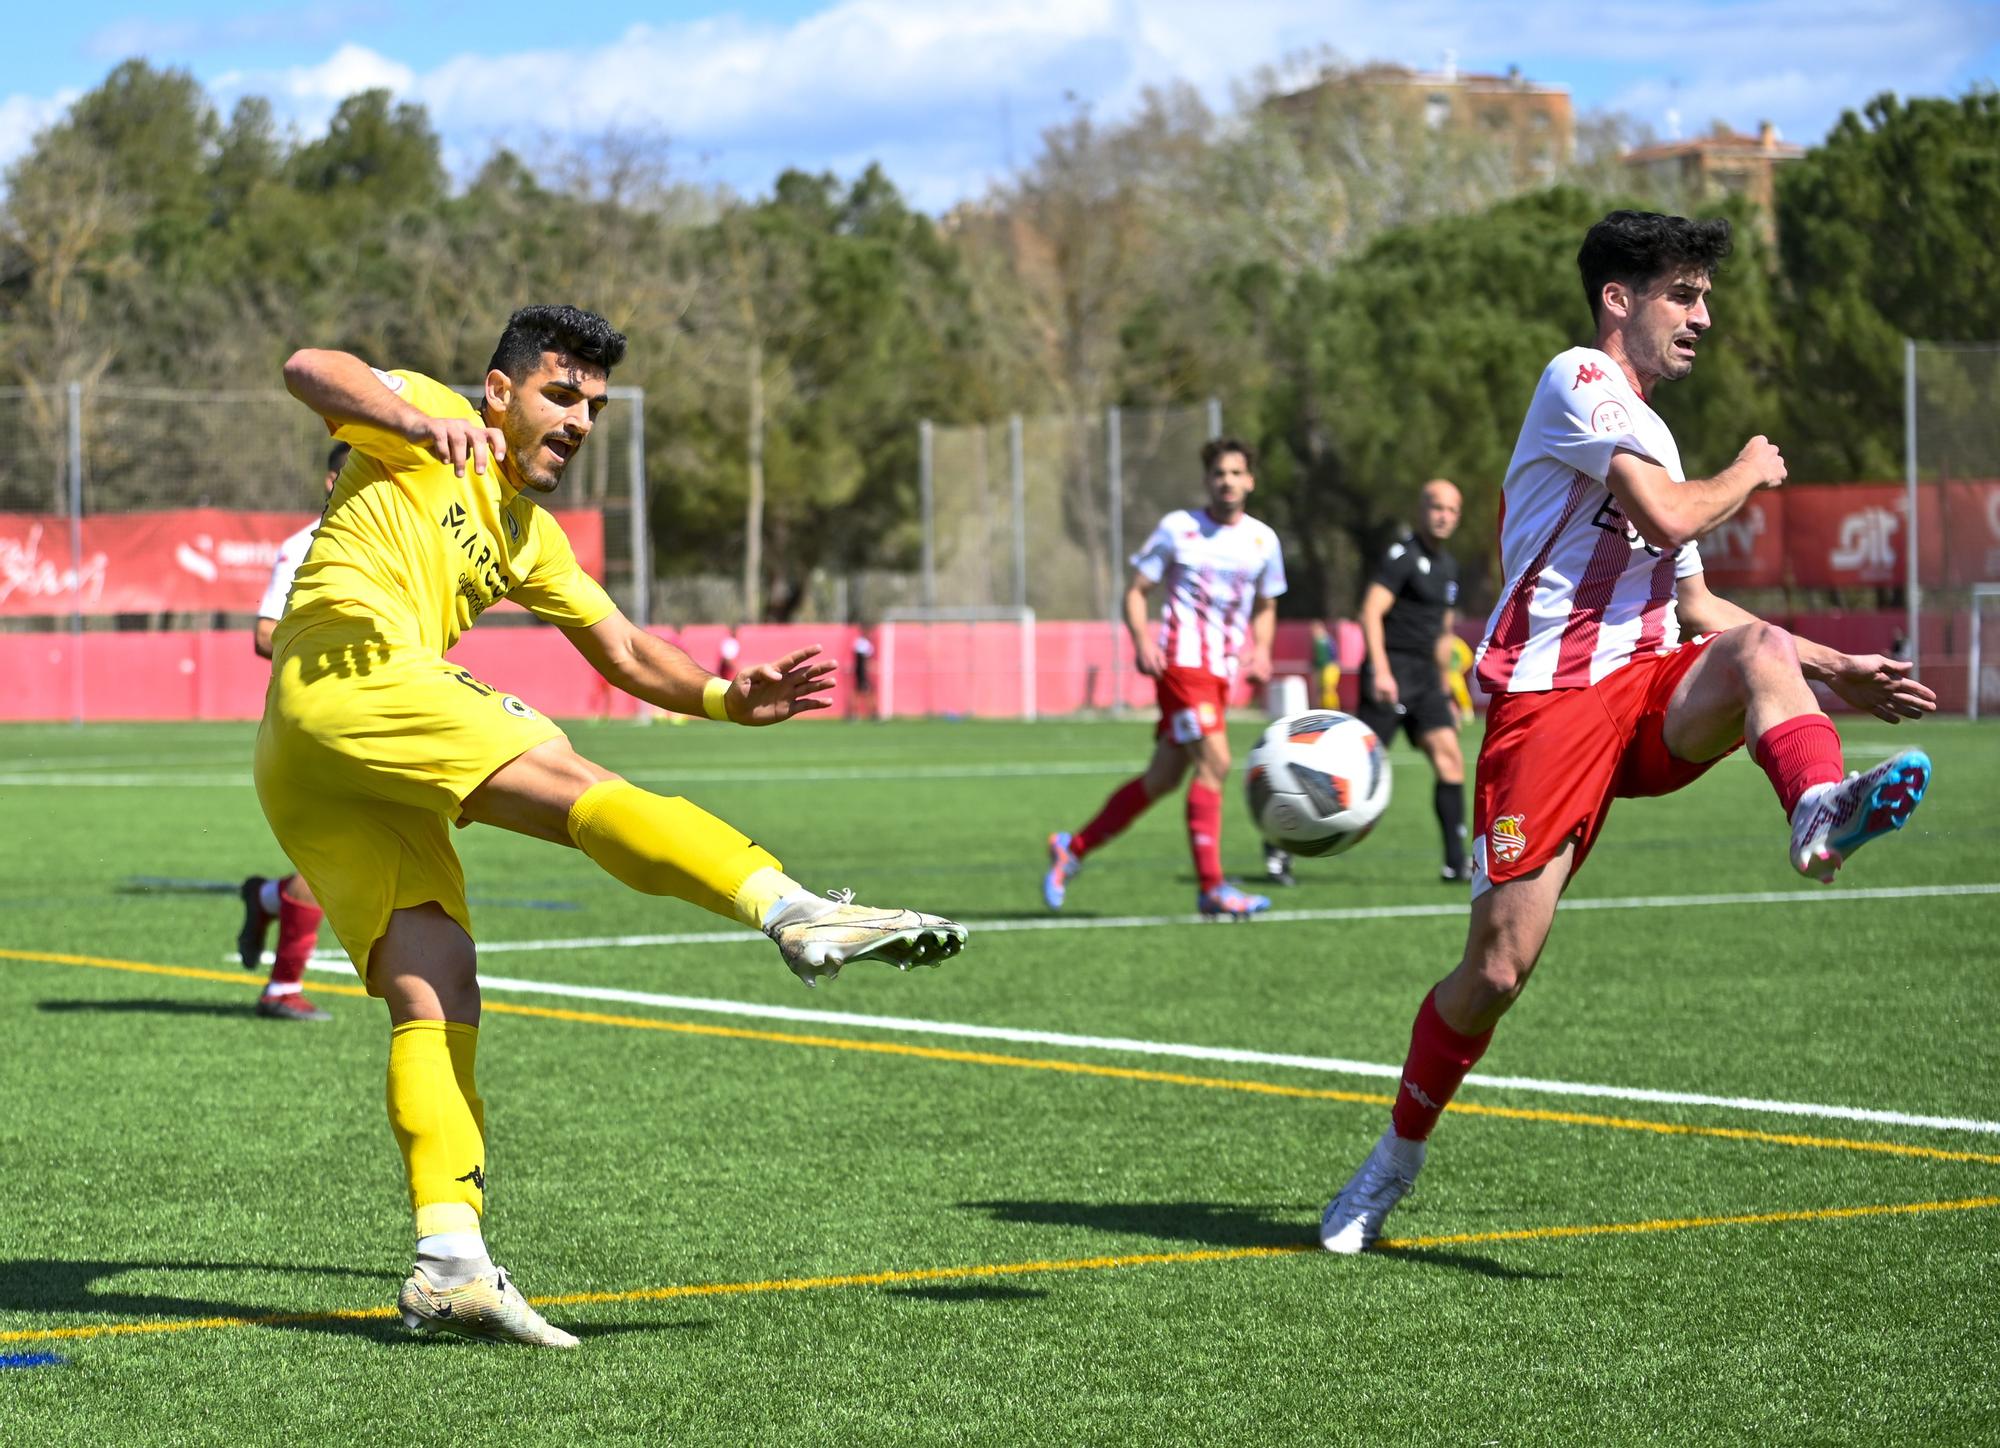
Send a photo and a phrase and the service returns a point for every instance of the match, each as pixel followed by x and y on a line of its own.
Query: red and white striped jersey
pixel 291 553
pixel 1215 574
pixel 1585 593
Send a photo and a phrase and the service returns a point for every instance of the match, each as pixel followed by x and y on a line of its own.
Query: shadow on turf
pixel 988 1292
pixel 1217 1224
pixel 139 1005
pixel 1213 1224
pixel 68 1289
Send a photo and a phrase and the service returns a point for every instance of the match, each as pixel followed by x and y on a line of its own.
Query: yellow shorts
pixel 367 751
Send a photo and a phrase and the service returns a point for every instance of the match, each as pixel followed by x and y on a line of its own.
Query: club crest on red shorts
pixel 1508 837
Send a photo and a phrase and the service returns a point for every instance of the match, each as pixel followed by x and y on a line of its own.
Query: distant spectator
pixel 862 683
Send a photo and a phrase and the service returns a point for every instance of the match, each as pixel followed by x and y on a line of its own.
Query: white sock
pixel 283 988
pixel 786 904
pixel 267 898
pixel 452 1259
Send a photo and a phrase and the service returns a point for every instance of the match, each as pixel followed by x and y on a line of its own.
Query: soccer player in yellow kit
pixel 372 746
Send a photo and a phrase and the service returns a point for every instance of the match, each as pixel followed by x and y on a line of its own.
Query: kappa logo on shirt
pixel 1509 837
pixel 1588 372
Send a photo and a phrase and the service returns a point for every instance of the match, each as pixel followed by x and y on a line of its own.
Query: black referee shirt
pixel 1424 579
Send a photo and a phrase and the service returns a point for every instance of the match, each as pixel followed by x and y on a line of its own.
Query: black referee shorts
pixel 1425 706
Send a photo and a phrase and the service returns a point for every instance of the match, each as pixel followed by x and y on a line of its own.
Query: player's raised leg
pixel 423 966
pixel 1510 924
pixel 1161 777
pixel 1749 683
pixel 663 845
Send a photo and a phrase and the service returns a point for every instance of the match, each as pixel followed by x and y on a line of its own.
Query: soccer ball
pixel 1317 782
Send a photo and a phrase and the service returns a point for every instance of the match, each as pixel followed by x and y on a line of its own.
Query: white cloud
pixel 21 117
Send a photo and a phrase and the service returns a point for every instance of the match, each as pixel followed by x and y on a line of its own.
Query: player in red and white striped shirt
pixel 1615 672
pixel 1223 571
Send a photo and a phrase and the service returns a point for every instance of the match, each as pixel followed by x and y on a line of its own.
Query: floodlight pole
pixel 927 504
pixel 1912 589
pixel 1017 470
pixel 75 420
pixel 1114 466
pixel 642 553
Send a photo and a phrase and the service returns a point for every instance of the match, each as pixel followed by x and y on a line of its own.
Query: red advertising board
pixel 1847 536
pixel 1853 535
pixel 1748 551
pixel 1972 532
pixel 189 560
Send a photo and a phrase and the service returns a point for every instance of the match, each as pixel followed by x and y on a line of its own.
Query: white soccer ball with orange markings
pixel 1317 782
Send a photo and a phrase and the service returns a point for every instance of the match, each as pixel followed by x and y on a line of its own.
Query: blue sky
pixel 945 93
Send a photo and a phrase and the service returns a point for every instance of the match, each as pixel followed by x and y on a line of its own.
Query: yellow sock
pixel 663 846
pixel 439 1121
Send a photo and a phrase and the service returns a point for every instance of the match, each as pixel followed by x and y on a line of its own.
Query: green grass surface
pixel 167 1159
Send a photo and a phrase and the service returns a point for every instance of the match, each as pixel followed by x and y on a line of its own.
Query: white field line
pixel 65 774
pixel 1332 1065
pixel 1438 910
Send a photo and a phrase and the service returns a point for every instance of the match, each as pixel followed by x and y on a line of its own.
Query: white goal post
pixel 1974 669
pixel 976 641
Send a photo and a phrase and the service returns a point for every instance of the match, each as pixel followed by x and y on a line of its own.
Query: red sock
pixel 1798 754
pixel 1126 804
pixel 298 932
pixel 1204 823
pixel 1438 1060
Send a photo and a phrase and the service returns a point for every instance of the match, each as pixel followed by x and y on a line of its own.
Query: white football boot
pixel 817 937
pixel 1832 821
pixel 489 1307
pixel 1353 1220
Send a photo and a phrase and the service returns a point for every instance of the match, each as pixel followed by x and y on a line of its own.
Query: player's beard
pixel 527 450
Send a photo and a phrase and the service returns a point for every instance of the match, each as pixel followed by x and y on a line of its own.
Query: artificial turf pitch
pixel 797 1230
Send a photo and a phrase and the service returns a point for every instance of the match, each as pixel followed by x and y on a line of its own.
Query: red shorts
pixel 1193 702
pixel 1553 762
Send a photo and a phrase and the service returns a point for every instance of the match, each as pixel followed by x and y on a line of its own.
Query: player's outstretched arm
pixel 1668 514
pixel 663 675
pixel 345 390
pixel 1874 683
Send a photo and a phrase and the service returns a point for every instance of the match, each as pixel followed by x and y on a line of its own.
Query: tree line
pixel 1372 297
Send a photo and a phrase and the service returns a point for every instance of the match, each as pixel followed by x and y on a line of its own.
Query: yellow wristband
pixel 715 699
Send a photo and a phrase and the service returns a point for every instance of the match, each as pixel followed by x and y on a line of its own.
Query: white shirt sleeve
pixel 1582 421
pixel 1272 582
pixel 291 553
pixel 1687 561
pixel 1153 560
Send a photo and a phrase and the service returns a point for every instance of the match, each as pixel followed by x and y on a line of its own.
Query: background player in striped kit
pixel 287 899
pixel 1223 572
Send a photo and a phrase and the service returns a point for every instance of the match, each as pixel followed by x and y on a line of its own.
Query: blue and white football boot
pixel 1832 821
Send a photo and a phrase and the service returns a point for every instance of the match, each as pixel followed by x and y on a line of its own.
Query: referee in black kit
pixel 1406 619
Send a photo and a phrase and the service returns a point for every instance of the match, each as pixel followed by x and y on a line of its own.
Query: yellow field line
pixel 1018 1269
pixel 1087 1068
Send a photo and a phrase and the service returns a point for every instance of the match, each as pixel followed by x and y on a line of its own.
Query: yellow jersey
pixel 421 552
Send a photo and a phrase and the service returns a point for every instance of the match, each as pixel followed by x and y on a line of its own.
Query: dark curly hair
pixel 1217 448
pixel 570 330
pixel 1640 247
